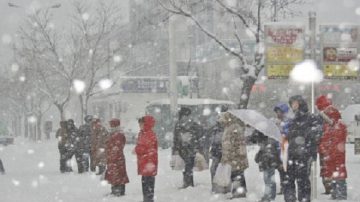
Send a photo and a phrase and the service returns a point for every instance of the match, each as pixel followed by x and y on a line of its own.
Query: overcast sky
pixel 328 11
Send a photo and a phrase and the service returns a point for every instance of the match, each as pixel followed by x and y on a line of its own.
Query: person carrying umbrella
pixel 234 152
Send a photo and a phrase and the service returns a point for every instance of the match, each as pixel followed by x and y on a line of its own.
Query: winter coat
pixel 61 135
pixel 84 138
pixel 99 137
pixel 234 143
pixel 332 143
pixel 146 149
pixel 187 137
pixel 216 133
pixel 268 154
pixel 304 133
pixel 73 138
pixel 115 160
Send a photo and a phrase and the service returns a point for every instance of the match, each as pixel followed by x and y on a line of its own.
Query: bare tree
pixel 94 30
pixel 84 52
pixel 246 15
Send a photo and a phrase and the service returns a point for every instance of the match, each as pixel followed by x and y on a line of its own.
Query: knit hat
pixel 114 123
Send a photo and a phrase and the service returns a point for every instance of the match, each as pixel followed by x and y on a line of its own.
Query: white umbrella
pixel 258 121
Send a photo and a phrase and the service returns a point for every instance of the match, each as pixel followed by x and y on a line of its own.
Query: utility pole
pixel 173 94
pixel 312 46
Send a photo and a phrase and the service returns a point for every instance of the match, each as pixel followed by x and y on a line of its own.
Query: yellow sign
pixel 339 71
pixel 284 54
pixel 278 71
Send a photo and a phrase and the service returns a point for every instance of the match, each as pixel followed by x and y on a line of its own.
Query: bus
pixel 204 111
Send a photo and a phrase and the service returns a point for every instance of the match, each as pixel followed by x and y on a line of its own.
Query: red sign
pixel 284 36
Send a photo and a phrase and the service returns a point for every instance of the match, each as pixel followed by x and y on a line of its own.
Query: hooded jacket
pixel 332 143
pixel 304 133
pixel 115 160
pixel 147 149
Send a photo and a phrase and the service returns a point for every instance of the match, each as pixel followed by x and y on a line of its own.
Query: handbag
pixel 200 163
pixel 177 163
pixel 223 175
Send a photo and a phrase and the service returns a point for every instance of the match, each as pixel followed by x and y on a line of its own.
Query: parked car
pixel 6 140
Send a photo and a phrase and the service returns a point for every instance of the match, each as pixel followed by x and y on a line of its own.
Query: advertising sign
pixel 339 46
pixel 284 47
pixel 341 71
pixel 275 71
pixel 333 54
pixel 284 54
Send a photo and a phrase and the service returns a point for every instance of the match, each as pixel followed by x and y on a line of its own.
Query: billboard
pixel 339 47
pixel 284 47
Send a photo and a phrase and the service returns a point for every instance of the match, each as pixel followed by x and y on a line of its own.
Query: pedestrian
pixel 146 150
pixel 282 120
pixel 84 147
pixel 63 146
pixel 332 150
pixel 268 160
pixel 216 132
pixel 116 173
pixel 2 169
pixel 73 146
pixel 98 141
pixel 187 137
pixel 234 152
pixel 304 133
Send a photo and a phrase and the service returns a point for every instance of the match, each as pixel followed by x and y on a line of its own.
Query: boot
pixel 327 186
pixel 118 190
pixel 237 190
pixel 101 170
pixel 188 180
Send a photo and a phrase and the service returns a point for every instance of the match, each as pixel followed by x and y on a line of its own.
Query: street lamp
pixel 307 72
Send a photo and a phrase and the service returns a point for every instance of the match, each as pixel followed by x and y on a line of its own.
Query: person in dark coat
pixel 63 146
pixel 332 150
pixel 116 173
pixel 84 142
pixel 73 145
pixel 2 169
pixel 187 137
pixel 98 141
pixel 216 132
pixel 305 131
pixel 146 150
pixel 268 160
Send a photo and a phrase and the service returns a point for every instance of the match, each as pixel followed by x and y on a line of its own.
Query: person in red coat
pixel 115 160
pixel 332 149
pixel 147 156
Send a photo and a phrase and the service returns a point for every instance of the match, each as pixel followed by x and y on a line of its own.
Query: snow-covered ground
pixel 32 175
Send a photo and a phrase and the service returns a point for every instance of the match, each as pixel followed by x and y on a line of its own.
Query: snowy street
pixel 32 175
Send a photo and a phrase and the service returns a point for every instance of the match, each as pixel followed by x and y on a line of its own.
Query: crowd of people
pixel 303 136
pixel 96 148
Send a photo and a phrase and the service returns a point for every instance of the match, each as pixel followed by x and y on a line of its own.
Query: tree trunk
pixel 81 100
pixel 38 125
pixel 245 92
pixel 61 111
pixel 26 126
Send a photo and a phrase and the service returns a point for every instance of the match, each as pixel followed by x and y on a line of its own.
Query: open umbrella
pixel 258 121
